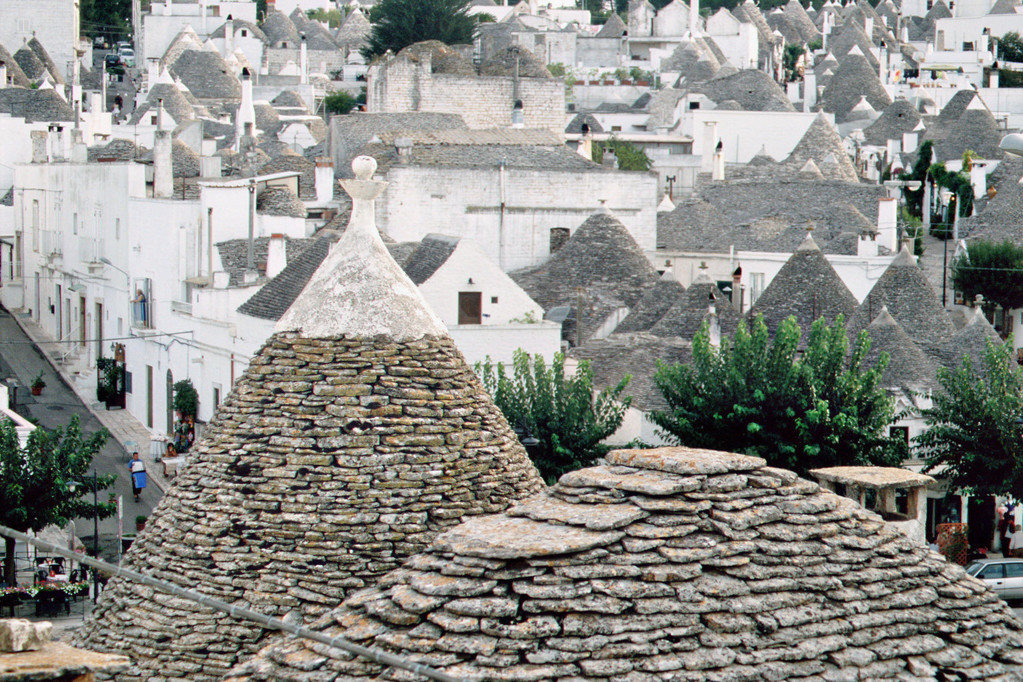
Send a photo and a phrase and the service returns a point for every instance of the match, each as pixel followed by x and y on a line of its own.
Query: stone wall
pixel 483 102
pixel 330 462
pixel 320 61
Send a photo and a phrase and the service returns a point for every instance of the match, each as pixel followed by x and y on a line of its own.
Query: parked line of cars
pixel 1004 576
pixel 123 55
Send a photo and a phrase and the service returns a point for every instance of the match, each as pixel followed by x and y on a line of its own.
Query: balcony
pixel 90 250
pixel 52 244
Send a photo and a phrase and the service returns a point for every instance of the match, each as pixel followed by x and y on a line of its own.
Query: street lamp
pixel 72 485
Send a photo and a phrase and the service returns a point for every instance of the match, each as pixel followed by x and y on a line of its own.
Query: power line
pixel 375 655
pixel 80 341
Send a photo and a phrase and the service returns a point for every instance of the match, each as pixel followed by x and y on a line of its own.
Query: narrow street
pixel 21 359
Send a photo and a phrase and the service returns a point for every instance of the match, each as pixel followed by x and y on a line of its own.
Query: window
pixel 493 299
pixel 900 432
pixel 1014 570
pixel 74 224
pixel 117 229
pixel 559 235
pixel 35 225
pixel 756 286
pixel 616 129
pixel 245 33
pixel 142 304
pixel 680 148
pixel 694 105
pixel 470 307
pixel 993 572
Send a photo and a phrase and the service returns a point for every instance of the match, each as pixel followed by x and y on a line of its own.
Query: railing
pixel 141 314
pixel 52 243
pixel 69 348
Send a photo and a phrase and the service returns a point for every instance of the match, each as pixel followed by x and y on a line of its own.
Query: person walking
pixel 138 475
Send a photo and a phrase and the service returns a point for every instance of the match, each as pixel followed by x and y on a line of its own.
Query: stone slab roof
pixel 899 118
pixel 234 254
pixel 753 89
pixel 14 71
pixel 904 290
pixel 614 27
pixel 969 342
pixel 239 24
pixel 56 72
pixel 174 103
pixel 207 75
pixel 806 287
pixel 277 295
pixel 822 144
pixel 549 157
pixel 35 105
pixel 909 368
pixel 280 201
pixel 503 63
pixel 292 162
pixel 351 133
pixel 30 63
pixel 657 301
pixel 855 78
pixel 433 251
pixel 875 478
pixel 279 29
pixel 688 314
pixel 977 130
pixel 671 563
pixel 354 32
pixel 346 446
pixel 635 354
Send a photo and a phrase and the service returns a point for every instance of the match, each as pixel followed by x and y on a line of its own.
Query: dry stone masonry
pixel 333 459
pixel 671 564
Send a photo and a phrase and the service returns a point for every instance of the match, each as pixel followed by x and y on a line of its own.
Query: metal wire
pixel 381 657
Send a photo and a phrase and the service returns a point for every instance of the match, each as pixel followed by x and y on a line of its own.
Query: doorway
pixel 82 326
pixel 149 396
pixel 470 307
pixel 99 330
pixel 170 402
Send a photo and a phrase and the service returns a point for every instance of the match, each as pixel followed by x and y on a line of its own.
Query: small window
pixel 993 572
pixel 1014 570
pixel 694 105
pixel 74 224
pixel 470 307
pixel 616 129
pixel 152 120
pixel 245 33
pixel 117 229
pixel 493 299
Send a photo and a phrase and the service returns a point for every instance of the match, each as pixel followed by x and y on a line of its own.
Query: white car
pixel 1004 576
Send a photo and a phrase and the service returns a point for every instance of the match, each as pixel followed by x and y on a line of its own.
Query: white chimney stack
pixel 57 142
pixel 303 62
pixel 324 179
pixel 246 110
pixel 719 163
pixel 887 232
pixel 868 27
pixel 79 150
pixel 694 17
pixel 39 142
pixel 3 75
pixel 809 90
pixel 229 35
pixel 163 169
pixel 152 72
pixel 710 140
pixel 276 255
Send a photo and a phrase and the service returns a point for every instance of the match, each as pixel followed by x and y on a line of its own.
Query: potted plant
pixel 140 522
pixel 38 384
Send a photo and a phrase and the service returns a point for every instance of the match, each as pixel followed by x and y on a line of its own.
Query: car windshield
pixel 973 567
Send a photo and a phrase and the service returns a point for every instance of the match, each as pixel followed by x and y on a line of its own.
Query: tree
pixel 34 490
pixel 560 411
pixel 400 23
pixel 186 398
pixel 108 18
pixel 339 102
pixel 792 61
pixel 333 18
pixel 757 396
pixel 1010 47
pixel 915 198
pixel 992 270
pixel 972 430
pixel 630 157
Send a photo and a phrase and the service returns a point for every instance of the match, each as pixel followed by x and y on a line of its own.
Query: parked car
pixel 111 60
pixel 127 57
pixel 1004 576
pixel 123 45
pixel 99 41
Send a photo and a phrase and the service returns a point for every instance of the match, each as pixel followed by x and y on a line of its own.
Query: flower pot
pixel 37 390
pixel 139 525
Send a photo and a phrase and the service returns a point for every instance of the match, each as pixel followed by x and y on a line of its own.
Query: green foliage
pixel 761 397
pixel 1008 78
pixel 790 61
pixel 993 270
pixel 400 23
pixel 1010 47
pixel 485 18
pixel 972 433
pixel 557 69
pixel 186 398
pixel 38 381
pixel 340 102
pixel 108 18
pixel 957 183
pixel 34 490
pixel 915 199
pixel 816 44
pixel 332 18
pixel 630 157
pixel 559 411
pixel 260 10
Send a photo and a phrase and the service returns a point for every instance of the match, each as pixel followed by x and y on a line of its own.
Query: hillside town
pixel 490 340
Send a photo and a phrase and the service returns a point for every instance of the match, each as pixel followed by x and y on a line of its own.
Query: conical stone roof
pixel 802 21
pixel 354 32
pixel 600 253
pixel 44 56
pixel 654 304
pixel 30 63
pixel 356 435
pixel 821 143
pixel 614 27
pixel 807 287
pixel 751 88
pixel 850 36
pixel 855 78
pixel 686 316
pixel 970 342
pixel 904 290
pixel 14 71
pixel 976 130
pixel 908 368
pixel 670 564
pixel 900 118
pixel 280 29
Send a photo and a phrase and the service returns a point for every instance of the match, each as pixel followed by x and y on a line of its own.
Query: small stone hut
pixel 671 564
pixel 356 435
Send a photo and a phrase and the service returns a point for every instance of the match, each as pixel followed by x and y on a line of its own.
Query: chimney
pixel 246 110
pixel 518 119
pixel 39 142
pixel 57 142
pixel 276 255
pixel 303 62
pixel 324 179
pixel 809 90
pixel 229 35
pixel 202 13
pixel 737 289
pixel 3 75
pixel 403 148
pixel 868 27
pixel 710 140
pixel 694 18
pixel 152 72
pixel 719 162
pixel 713 326
pixel 163 169
pixel 887 213
pixel 159 114
pixel 79 150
